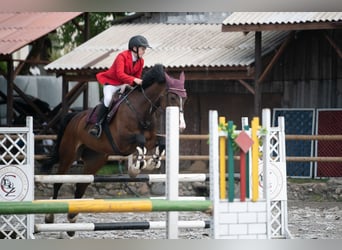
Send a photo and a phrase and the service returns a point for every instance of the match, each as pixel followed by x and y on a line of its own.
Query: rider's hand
pixel 138 81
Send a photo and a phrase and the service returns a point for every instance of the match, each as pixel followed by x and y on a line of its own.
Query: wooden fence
pixel 206 157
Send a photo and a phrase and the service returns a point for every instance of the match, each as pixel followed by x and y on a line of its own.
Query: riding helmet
pixel 138 41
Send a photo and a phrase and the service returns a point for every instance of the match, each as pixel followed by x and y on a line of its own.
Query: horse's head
pixel 175 96
pixel 172 90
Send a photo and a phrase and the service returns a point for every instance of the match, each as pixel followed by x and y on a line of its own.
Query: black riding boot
pixel 97 129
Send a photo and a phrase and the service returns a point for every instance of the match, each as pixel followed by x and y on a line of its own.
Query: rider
pixel 125 70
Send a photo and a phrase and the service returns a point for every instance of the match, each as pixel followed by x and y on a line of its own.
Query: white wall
pixel 48 89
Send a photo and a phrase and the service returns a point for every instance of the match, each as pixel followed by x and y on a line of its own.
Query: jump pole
pixel 151 178
pixel 102 206
pixel 220 225
pixel 134 225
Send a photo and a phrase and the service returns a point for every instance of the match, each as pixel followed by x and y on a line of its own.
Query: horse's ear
pixel 168 78
pixel 182 76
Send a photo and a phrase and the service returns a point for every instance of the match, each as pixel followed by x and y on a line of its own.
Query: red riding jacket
pixel 122 70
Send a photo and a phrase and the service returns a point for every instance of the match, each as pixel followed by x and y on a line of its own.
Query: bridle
pixel 153 106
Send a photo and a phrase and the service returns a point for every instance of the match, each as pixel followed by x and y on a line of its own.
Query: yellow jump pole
pixel 255 159
pixel 222 157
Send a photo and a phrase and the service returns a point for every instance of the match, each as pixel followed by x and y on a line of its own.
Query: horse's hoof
pixel 71 233
pixel 133 172
pixel 72 218
pixel 141 164
pixel 152 164
pixel 49 218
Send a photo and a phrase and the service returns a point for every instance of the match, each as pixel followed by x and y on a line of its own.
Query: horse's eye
pixel 173 98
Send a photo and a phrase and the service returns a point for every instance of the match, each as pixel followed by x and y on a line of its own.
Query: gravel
pixel 306 220
pixel 314 212
pixel 315 220
pixel 195 233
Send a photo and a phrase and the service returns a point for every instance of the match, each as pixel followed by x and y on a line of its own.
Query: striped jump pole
pixel 102 206
pixel 135 225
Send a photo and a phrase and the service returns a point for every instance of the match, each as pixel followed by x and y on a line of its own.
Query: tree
pixel 69 36
pixel 74 33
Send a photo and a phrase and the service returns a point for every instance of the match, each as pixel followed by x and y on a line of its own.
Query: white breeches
pixel 108 91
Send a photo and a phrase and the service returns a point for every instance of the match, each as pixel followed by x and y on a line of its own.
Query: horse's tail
pixel 53 156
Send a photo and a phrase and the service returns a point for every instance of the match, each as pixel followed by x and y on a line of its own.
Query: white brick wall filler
pixel 235 220
pixel 243 220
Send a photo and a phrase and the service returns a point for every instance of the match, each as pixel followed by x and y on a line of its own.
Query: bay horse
pixel 132 130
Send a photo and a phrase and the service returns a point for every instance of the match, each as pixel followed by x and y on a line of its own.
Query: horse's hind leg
pixel 65 162
pixel 72 217
pixel 49 218
pixel 93 161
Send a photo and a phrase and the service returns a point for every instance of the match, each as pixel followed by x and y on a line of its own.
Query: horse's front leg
pixel 155 161
pixel 139 161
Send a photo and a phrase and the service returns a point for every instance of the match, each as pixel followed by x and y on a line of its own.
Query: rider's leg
pixel 108 91
pixel 101 115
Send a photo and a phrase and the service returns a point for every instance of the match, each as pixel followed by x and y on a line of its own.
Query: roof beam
pixel 276 57
pixel 287 26
pixel 333 44
pixel 211 73
pixel 192 73
pixel 247 86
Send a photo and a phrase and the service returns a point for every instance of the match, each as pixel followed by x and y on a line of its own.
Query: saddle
pixel 113 107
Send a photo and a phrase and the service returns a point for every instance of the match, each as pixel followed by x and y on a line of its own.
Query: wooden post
pixel 10 80
pixel 258 63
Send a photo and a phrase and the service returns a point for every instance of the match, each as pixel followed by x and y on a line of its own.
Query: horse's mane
pixel 154 75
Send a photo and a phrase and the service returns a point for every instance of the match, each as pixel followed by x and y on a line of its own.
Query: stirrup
pixel 96 131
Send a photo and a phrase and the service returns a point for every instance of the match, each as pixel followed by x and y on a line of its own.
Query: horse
pixel 131 130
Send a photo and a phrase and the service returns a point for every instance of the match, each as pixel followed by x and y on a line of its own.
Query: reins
pixel 131 106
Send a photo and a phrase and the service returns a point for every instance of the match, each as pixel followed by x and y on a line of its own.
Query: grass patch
pixel 110 169
pixel 316 198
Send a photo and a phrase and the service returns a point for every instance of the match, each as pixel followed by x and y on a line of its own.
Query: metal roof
pixel 18 29
pixel 247 18
pixel 173 45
